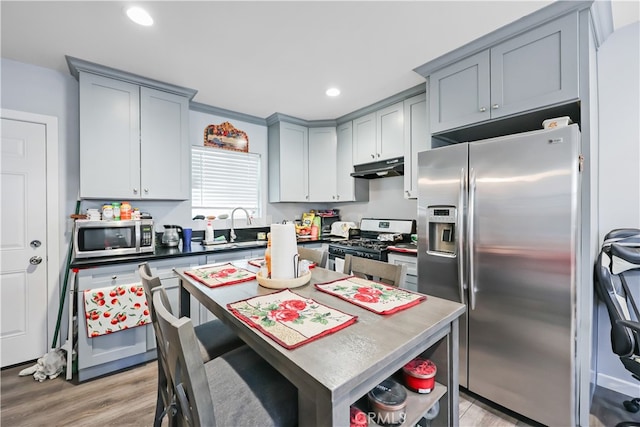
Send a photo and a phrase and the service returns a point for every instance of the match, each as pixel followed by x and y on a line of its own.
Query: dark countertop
pixel 196 249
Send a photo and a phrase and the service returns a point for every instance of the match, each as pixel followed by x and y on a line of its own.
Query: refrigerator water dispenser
pixel 442 230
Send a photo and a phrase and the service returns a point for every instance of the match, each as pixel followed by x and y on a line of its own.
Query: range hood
pixel 381 169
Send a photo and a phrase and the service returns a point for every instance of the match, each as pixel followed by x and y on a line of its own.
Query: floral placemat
pixel 256 262
pixel 221 275
pixel 289 319
pixel 115 308
pixel 374 296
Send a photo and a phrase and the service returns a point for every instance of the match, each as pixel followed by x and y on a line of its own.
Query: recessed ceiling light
pixel 334 91
pixel 139 16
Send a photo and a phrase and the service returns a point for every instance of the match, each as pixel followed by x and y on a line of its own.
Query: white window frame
pixel 216 172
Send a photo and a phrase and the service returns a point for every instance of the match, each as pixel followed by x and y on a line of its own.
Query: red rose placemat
pixel 289 319
pixel 221 275
pixel 374 296
pixel 115 308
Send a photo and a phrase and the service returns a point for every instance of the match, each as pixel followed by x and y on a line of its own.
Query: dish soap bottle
pixel 267 255
pixel 208 235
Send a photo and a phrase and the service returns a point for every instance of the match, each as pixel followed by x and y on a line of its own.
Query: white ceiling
pixel 264 57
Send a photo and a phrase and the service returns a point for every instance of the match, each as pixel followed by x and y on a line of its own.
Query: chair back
pixel 186 369
pixel 380 271
pixel 317 256
pixel 617 271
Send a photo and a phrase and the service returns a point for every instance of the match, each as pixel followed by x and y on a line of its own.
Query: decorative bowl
pixel 282 283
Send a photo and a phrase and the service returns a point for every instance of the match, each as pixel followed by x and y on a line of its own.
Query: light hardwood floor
pixel 128 398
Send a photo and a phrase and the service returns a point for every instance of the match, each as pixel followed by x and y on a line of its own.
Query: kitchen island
pixel 339 369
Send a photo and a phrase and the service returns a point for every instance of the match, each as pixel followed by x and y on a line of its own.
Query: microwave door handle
pixel 470 238
pixel 460 236
pixel 137 234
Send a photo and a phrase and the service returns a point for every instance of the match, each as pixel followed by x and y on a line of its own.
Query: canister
pixel 107 212
pixel 357 418
pixel 116 211
pixel 125 210
pixel 420 375
pixel 388 401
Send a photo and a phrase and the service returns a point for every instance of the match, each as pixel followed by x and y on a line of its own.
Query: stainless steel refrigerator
pixel 498 230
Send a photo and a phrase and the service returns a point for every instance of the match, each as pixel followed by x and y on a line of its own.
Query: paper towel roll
pixel 283 248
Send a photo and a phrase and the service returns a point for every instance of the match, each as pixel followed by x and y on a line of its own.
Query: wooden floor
pixel 128 399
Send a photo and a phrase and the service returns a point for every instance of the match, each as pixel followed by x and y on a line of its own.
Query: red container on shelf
pixel 357 418
pixel 420 375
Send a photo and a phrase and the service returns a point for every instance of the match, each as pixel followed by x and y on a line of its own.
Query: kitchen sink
pixel 232 245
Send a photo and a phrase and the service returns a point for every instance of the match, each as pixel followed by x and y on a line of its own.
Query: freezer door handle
pixel 472 205
pixel 460 226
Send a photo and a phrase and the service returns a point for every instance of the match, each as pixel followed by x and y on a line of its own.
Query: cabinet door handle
pixel 483 109
pixel 135 191
pixel 495 106
pixel 373 156
pixel 114 277
pixel 146 191
pixel 378 154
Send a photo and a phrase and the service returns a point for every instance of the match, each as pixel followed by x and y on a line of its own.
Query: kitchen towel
pixel 374 296
pixel 284 251
pixel 289 319
pixel 115 308
pixel 221 275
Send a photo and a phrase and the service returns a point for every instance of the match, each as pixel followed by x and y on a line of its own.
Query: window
pixel 222 180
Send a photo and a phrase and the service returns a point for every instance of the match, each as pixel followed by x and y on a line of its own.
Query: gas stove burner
pixel 366 244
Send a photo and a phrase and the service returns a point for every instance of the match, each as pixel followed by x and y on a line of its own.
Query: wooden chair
pixel 318 256
pixel 379 271
pixel 236 389
pixel 214 338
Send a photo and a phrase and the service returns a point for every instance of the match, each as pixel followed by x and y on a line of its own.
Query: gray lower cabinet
pixel 535 69
pixel 411 261
pixel 108 353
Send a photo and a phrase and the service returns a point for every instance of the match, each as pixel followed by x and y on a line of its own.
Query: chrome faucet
pixel 232 234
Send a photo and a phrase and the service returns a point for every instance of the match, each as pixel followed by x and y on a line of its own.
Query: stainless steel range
pixel 376 235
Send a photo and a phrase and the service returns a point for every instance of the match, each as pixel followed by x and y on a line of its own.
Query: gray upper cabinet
pixel 416 139
pixel 379 135
pixel 349 189
pixel 535 69
pixel 390 132
pixel 322 164
pixel 364 139
pixel 288 163
pixel 134 135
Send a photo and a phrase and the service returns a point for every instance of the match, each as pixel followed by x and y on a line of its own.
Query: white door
pixel 23 245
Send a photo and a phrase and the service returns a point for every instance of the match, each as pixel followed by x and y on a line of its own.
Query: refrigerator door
pixel 523 231
pixel 442 179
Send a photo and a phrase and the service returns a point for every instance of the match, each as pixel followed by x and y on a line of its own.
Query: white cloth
pixel 48 366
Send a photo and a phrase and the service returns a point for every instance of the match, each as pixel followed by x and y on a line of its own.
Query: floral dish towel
pixel 221 275
pixel 289 319
pixel 374 296
pixel 115 308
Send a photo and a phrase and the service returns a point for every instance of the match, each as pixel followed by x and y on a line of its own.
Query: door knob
pixel 35 260
pixel 35 243
pixel 483 109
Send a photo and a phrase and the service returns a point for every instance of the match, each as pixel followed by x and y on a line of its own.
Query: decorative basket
pixel 283 283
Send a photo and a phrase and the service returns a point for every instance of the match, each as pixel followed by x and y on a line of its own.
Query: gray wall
pixel 619 162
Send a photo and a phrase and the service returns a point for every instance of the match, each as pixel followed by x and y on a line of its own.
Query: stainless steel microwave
pixel 112 238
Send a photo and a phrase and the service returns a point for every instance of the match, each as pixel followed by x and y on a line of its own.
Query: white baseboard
pixel 628 388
